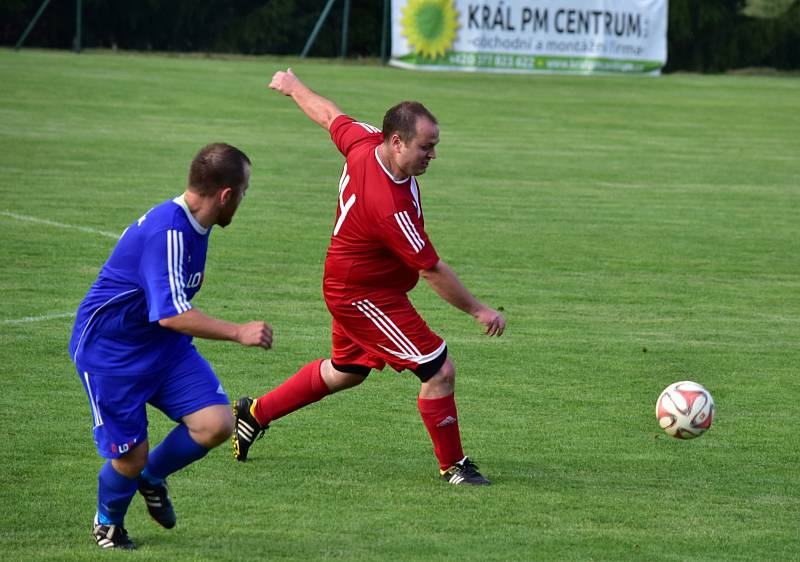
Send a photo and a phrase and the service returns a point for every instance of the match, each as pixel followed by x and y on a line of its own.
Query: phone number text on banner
pixel 570 36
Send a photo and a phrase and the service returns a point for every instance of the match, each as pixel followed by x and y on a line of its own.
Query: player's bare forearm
pixel 319 109
pixel 447 285
pixel 197 324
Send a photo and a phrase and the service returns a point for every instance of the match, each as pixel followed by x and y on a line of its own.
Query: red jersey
pixel 378 242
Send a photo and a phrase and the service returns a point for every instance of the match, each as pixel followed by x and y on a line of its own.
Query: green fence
pixel 705 36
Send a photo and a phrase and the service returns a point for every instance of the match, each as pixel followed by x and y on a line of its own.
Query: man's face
pixel 414 156
pixel 228 209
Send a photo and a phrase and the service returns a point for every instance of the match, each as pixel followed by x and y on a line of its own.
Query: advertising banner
pixel 565 36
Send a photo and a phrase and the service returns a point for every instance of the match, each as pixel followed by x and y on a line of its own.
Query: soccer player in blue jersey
pixel 132 344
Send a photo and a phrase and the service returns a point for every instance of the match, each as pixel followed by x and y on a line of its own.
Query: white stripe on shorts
pixel 420 359
pixel 98 420
pixel 385 325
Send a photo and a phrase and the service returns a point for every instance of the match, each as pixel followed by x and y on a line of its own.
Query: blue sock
pixel 114 494
pixel 177 450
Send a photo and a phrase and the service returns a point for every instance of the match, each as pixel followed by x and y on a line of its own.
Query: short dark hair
pixel 216 166
pixel 402 119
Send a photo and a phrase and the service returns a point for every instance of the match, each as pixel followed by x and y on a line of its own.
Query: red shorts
pixel 380 330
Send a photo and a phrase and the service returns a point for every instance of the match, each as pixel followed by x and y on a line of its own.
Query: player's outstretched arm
pixel 195 323
pixel 447 285
pixel 320 110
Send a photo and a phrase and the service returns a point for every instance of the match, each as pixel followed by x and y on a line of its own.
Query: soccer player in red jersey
pixel 377 253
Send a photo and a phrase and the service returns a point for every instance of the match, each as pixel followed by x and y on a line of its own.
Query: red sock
pixel 441 419
pixel 301 389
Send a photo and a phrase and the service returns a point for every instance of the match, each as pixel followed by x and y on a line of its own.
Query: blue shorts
pixel 118 401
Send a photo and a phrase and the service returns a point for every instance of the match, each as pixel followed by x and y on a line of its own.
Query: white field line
pixel 27 319
pixel 27 218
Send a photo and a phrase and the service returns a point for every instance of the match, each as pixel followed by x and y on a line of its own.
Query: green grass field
pixel 637 232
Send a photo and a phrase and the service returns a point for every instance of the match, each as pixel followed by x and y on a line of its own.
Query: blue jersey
pixel 154 271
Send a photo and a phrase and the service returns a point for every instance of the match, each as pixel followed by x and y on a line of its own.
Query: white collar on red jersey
pixel 387 172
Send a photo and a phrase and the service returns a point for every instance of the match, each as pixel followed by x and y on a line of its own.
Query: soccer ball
pixel 685 410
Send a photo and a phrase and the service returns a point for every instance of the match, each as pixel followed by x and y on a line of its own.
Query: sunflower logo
pixel 430 26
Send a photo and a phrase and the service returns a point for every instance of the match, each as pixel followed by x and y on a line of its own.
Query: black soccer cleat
pixel 111 536
pixel 464 472
pixel 247 428
pixel 159 506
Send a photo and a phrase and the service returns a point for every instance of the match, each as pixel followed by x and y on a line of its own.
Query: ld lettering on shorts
pixel 124 448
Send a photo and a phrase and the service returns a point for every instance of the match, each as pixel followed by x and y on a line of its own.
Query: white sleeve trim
pixel 175 271
pixel 408 228
pixel 367 127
